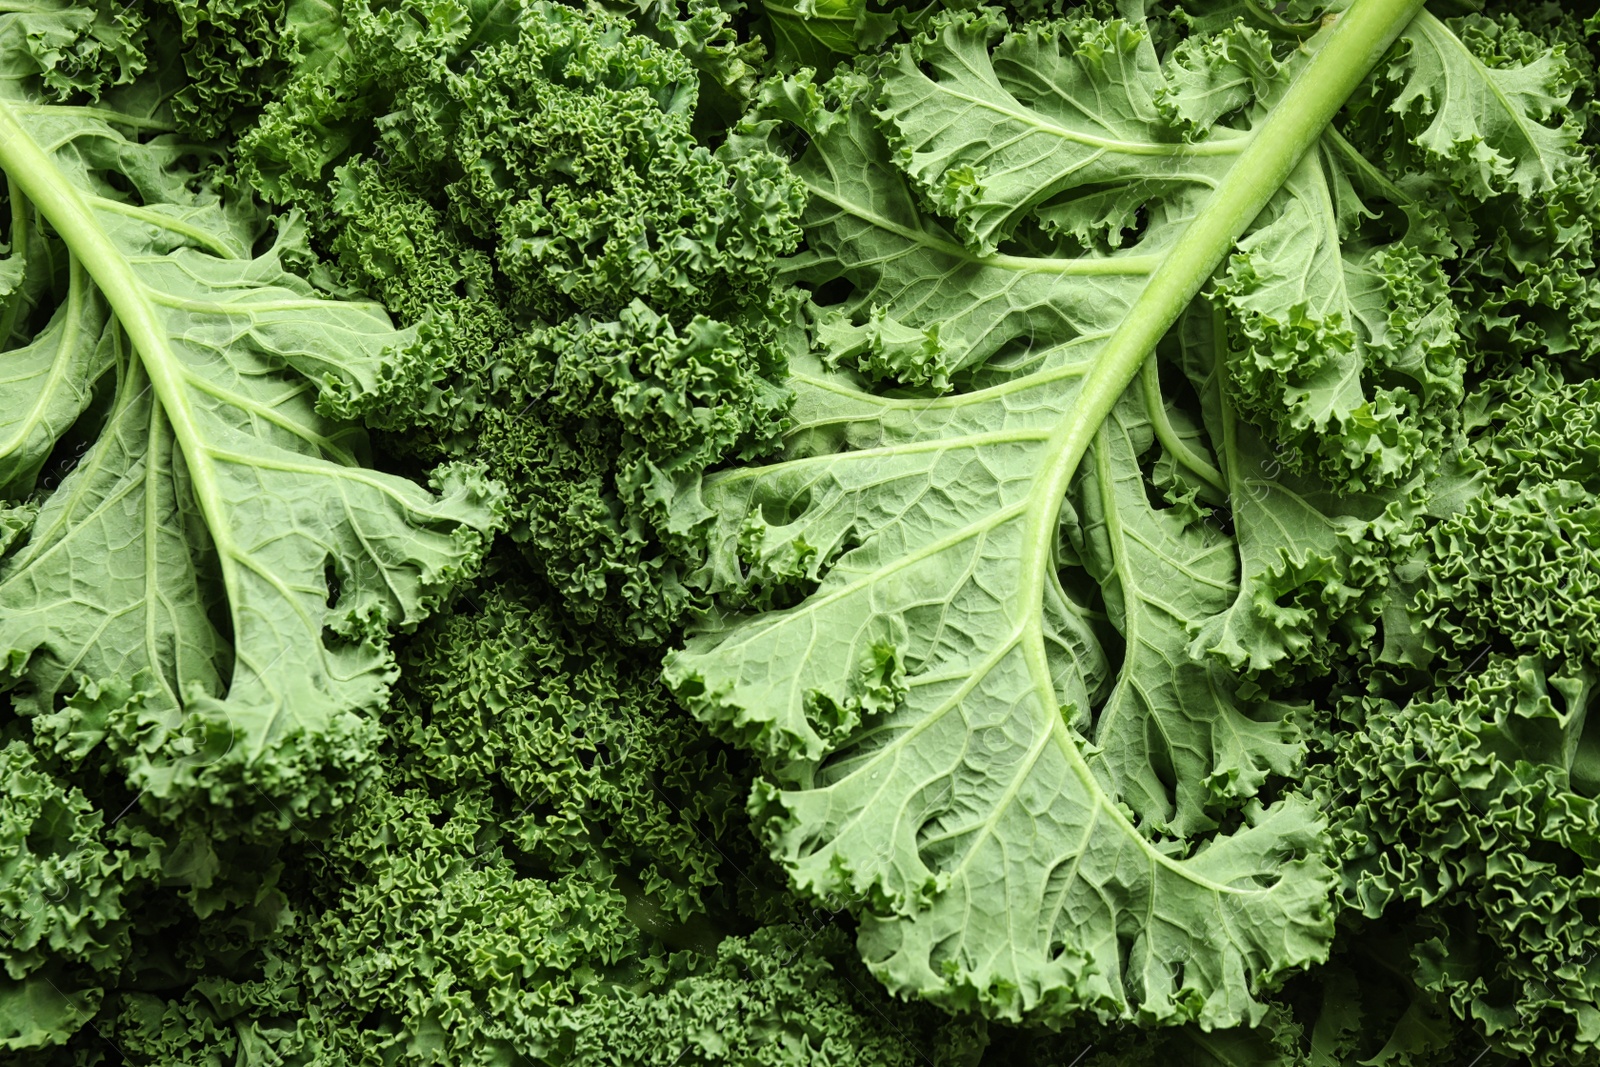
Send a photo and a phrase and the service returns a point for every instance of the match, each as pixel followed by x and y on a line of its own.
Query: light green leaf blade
pixel 901 633
pixel 992 129
pixel 1488 127
pixel 864 225
pixel 813 33
pixel 1174 742
pixel 1314 562
pixel 1347 343
pixel 900 703
pixel 220 546
pixel 47 383
pixel 35 1013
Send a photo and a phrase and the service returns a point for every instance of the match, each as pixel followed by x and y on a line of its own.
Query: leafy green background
pixel 724 336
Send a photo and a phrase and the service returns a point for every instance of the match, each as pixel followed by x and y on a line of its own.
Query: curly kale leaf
pixel 529 186
pixel 960 629
pixel 813 34
pixel 1315 562
pixel 1477 803
pixel 235 54
pixel 61 902
pixel 1320 314
pixel 1352 344
pixel 1491 110
pixel 218 549
pixel 1518 568
pixel 608 777
pixel 575 152
pixel 563 140
pixel 713 35
pixel 1462 763
pixel 1477 97
pixel 70 51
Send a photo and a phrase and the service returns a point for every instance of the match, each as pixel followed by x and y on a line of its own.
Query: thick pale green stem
pixel 32 171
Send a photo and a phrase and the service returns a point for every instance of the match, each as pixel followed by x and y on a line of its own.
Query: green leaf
pixel 1348 344
pixel 219 544
pixel 49 383
pixel 1023 827
pixel 812 33
pixel 1027 92
pixel 865 225
pixel 1485 126
pixel 1172 736
pixel 35 1013
pixel 1314 562
pixel 61 899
